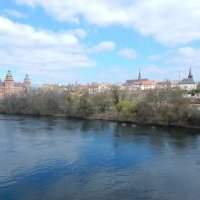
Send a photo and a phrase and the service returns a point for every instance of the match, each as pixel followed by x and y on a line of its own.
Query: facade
pixel 163 85
pixel 146 85
pixel 9 87
pixel 188 83
pixel 167 84
pixel 94 88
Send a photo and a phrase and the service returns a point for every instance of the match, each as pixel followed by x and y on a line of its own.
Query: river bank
pixel 111 118
pixel 157 108
pixel 140 123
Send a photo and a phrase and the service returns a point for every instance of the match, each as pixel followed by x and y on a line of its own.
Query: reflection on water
pixel 58 159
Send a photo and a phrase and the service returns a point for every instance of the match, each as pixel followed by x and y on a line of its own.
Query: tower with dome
pixel 9 87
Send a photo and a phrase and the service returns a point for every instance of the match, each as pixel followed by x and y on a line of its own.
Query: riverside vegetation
pixel 157 107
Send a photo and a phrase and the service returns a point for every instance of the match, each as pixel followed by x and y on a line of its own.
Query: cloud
pixel 170 22
pixel 101 12
pixel 184 56
pixel 31 50
pixel 128 53
pixel 79 33
pixel 14 13
pixel 105 46
pixel 176 63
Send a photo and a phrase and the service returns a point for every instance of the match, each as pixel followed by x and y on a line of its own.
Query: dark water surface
pixel 57 159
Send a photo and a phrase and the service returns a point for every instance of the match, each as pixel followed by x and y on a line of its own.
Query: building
pixel 91 88
pixel 164 84
pixel 135 81
pixel 9 87
pixel 146 85
pixel 140 83
pixel 168 84
pixel 188 83
pixel 94 88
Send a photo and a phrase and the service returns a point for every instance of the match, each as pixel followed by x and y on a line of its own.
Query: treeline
pixel 168 107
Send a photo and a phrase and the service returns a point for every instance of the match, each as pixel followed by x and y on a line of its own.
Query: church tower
pixel 27 81
pixel 190 76
pixel 139 75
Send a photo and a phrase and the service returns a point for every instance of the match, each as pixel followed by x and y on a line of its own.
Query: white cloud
pixel 14 13
pixel 185 56
pixel 79 33
pixel 177 61
pixel 128 53
pixel 97 12
pixel 170 22
pixel 32 50
pixel 105 46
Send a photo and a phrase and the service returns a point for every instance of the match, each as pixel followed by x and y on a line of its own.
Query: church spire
pixel 139 75
pixel 190 73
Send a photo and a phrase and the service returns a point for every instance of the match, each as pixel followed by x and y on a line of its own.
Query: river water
pixel 58 159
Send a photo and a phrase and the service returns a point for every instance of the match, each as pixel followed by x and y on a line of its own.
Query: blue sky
pixel 63 41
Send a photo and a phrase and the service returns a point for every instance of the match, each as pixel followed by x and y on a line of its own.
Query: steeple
pixel 27 81
pixel 139 75
pixel 190 74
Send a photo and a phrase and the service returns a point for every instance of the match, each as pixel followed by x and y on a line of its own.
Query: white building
pixel 94 88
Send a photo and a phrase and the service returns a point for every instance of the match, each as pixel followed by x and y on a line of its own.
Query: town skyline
pixel 139 73
pixel 59 42
pixel 10 86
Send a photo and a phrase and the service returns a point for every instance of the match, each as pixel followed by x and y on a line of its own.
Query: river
pixel 59 159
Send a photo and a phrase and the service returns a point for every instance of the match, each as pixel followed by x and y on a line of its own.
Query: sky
pixel 65 41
